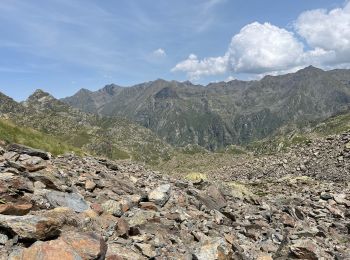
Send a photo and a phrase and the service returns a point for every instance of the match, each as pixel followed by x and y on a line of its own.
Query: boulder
pixel 30 227
pixel 113 207
pixel 88 245
pixel 116 251
pixel 75 246
pixel 70 200
pixel 305 249
pixel 215 194
pixel 214 248
pixel 141 217
pixel 22 149
pixel 15 209
pixel 90 185
pixel 160 195
pixel 147 250
pixel 51 250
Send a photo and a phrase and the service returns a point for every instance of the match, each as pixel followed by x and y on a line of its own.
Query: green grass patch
pixel 12 133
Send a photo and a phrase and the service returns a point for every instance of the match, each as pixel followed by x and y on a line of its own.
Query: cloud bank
pixel 265 48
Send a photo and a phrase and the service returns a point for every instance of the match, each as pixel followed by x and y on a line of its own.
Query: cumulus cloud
pixel 257 48
pixel 196 68
pixel 160 53
pixel 327 32
pixel 265 48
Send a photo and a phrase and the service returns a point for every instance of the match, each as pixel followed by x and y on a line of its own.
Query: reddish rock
pixel 35 168
pixel 87 245
pixel 122 228
pixel 97 208
pixel 71 246
pixel 217 196
pixel 305 249
pixel 149 206
pixel 288 220
pixel 16 210
pixel 51 250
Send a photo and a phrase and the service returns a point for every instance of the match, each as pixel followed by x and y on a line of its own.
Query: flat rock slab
pixel 70 200
pixel 22 149
pixel 16 210
pixel 75 246
pixel 30 227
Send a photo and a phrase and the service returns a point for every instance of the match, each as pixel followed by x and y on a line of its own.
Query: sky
pixel 61 46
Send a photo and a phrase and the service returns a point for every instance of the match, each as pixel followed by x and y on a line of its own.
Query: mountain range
pixel 116 137
pixel 224 113
pixel 148 121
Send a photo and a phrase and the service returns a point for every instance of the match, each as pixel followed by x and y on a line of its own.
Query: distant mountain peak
pixel 311 68
pixel 39 94
pixel 109 89
pixel 41 100
pixel 160 81
pixel 83 91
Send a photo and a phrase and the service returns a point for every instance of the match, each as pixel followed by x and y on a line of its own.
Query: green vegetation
pixel 334 125
pixel 278 143
pixel 11 133
pixel 196 176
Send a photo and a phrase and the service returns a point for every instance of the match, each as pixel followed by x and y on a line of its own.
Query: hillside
pixel 10 133
pixel 220 114
pixel 292 206
pixel 115 138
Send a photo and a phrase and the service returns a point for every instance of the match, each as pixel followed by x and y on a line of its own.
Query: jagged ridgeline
pixel 116 138
pixel 225 113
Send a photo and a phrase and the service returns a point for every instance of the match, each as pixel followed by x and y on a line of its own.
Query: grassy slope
pixel 11 133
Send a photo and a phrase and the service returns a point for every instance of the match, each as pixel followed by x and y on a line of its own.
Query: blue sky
pixel 64 45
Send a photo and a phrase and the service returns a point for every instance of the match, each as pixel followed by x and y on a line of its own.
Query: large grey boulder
pixel 160 195
pixel 71 200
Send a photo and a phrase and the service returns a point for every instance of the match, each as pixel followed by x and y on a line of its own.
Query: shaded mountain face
pixel 236 112
pixel 8 105
pixel 116 137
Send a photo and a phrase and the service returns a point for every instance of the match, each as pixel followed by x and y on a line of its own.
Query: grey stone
pixel 160 195
pixel 71 200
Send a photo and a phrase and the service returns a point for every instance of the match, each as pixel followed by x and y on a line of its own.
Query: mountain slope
pixel 11 133
pixel 112 137
pixel 220 114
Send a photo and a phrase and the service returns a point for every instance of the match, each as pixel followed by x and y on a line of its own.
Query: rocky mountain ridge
pixel 90 208
pixel 106 136
pixel 224 113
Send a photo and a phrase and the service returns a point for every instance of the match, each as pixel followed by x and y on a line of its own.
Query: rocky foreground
pixel 88 208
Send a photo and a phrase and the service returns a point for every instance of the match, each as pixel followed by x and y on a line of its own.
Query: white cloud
pixel 264 47
pixel 257 48
pixel 229 78
pixel 196 68
pixel 159 53
pixel 327 32
pixel 261 49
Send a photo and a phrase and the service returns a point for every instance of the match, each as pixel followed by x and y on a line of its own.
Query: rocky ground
pixel 321 158
pixel 292 207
